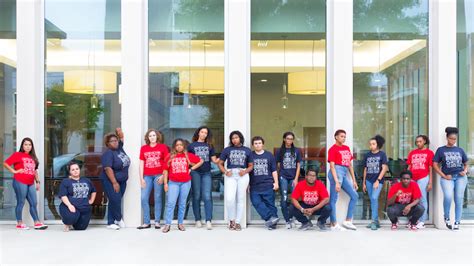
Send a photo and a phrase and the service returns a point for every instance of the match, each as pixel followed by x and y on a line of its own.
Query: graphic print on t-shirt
pixel 289 162
pixel 81 190
pixel 179 165
pixel 373 165
pixel 28 166
pixel 152 159
pixel 418 161
pixel 202 152
pixel 260 167
pixel 453 159
pixel 237 157
pixel 404 198
pixel 124 158
pixel 345 157
pixel 310 197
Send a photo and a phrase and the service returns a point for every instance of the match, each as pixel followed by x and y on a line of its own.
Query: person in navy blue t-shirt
pixel 239 165
pixel 77 194
pixel 288 162
pixel 375 167
pixel 114 176
pixel 201 178
pixel 453 171
pixel 264 183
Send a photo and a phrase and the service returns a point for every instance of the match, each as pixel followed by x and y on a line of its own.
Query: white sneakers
pixel 349 225
pixel 198 224
pixel 420 225
pixel 113 227
pixel 120 223
pixel 209 225
pixel 337 227
pixel 116 225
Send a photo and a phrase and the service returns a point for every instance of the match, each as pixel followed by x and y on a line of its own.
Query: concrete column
pixel 237 72
pixel 442 89
pixel 134 95
pixel 30 85
pixel 339 81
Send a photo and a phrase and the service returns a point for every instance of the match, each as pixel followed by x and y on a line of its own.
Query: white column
pixel 134 95
pixel 237 71
pixel 339 80
pixel 30 85
pixel 442 93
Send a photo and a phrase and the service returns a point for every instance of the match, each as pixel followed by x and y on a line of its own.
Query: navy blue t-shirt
pixel 288 162
pixel 452 159
pixel 373 162
pixel 118 160
pixel 78 192
pixel 203 151
pixel 237 157
pixel 264 165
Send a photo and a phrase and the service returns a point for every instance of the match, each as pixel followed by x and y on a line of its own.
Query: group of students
pixel 186 165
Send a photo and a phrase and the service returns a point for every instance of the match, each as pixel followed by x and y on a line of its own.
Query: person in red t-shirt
pixel 420 163
pixel 152 161
pixel 341 175
pixel 177 180
pixel 310 197
pixel 25 175
pixel 404 200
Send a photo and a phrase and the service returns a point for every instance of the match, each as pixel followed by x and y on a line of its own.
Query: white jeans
pixel 235 192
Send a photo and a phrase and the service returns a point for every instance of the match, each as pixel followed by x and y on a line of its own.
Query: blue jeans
pixel 177 190
pixel 374 199
pixel 264 203
pixel 457 185
pixel 151 182
pixel 286 186
pixel 347 185
pixel 423 184
pixel 79 219
pixel 114 211
pixel 202 185
pixel 25 192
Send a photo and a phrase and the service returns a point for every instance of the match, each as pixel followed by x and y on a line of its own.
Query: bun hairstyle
pixel 451 130
pixel 380 141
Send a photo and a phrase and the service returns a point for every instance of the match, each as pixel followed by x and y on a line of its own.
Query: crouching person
pixel 404 200
pixel 310 197
pixel 77 194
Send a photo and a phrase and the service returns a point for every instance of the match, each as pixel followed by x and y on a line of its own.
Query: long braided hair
pixel 283 146
pixel 174 152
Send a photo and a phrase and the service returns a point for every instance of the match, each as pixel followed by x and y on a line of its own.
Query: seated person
pixel 77 194
pixel 404 200
pixel 310 197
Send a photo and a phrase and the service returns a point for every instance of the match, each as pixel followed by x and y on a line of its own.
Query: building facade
pixel 72 71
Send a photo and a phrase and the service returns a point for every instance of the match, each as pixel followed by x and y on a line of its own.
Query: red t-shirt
pixel 340 155
pixel 420 162
pixel 178 167
pixel 409 194
pixel 21 160
pixel 153 158
pixel 311 195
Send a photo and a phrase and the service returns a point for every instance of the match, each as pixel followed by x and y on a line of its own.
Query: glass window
pixel 83 66
pixel 288 78
pixel 390 75
pixel 465 47
pixel 7 104
pixel 186 76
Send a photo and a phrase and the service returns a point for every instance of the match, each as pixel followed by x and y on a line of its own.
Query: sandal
pixel 181 227
pixel 231 225
pixel 166 228
pixel 238 227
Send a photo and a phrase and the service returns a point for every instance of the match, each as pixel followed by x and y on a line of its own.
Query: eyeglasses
pixel 113 140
